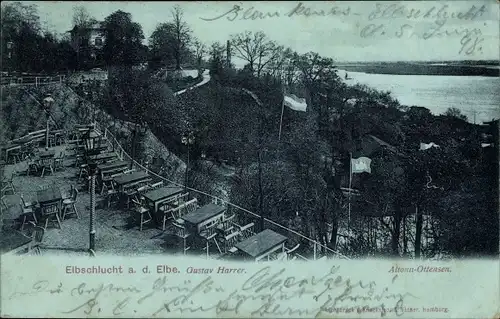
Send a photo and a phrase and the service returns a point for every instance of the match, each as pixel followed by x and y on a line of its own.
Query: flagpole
pixel 282 110
pixel 349 199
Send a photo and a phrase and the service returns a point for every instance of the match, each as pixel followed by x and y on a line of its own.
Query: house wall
pixel 96 34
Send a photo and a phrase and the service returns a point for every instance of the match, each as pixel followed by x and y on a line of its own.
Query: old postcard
pixel 250 159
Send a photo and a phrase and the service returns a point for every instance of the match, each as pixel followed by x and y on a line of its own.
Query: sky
pixel 343 35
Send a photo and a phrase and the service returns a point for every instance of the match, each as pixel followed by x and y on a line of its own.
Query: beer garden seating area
pixel 46 205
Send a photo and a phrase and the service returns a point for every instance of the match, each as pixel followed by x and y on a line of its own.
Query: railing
pixel 203 198
pixel 33 80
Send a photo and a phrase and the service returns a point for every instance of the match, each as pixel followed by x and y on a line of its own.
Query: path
pixel 206 79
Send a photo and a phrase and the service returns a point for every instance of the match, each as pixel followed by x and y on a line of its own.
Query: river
pixel 476 96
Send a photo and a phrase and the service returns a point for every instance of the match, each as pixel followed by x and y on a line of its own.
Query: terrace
pixel 137 212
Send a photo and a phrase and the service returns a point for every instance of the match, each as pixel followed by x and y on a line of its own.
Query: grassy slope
pixel 21 113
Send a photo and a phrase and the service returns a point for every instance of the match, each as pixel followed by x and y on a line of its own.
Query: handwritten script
pixel 266 292
pixel 384 20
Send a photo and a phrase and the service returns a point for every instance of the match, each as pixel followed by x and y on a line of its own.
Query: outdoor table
pixel 262 244
pixel 204 216
pixel 47 153
pixel 49 195
pixel 13 241
pixel 103 168
pixel 161 195
pixel 127 179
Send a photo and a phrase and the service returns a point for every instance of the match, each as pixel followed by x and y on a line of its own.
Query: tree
pixel 216 58
pixel 81 17
pixel 123 44
pixel 82 21
pixel 455 112
pixel 199 51
pixel 20 25
pixel 256 49
pixel 182 36
pixel 17 14
pixel 161 43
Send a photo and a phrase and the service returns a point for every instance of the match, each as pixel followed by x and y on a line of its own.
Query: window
pixel 98 41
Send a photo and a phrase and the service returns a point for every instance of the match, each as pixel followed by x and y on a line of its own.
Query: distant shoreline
pixel 424 68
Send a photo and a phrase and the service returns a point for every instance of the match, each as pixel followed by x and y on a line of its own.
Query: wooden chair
pixel 9 184
pixel 190 206
pixel 33 166
pixel 130 193
pixel 128 171
pixel 229 241
pixel 143 189
pixel 107 183
pixel 59 161
pixel 59 138
pixel 28 212
pixel 141 210
pixel 111 192
pixel 14 155
pixel 290 251
pixel 47 163
pixel 181 231
pixel 49 211
pixel 156 185
pixel 36 240
pixel 4 203
pixel 83 171
pixel 26 204
pixel 26 150
pixel 69 204
pixel 209 233
pixel 180 199
pixel 247 230
pixel 227 225
pixel 175 213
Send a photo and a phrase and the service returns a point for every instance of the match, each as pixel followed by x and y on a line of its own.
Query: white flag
pixel 360 165
pixel 294 102
pixel 424 146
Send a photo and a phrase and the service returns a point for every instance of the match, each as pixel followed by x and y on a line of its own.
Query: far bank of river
pixel 478 97
pixel 407 68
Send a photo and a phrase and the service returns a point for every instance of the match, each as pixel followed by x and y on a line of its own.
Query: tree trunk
pixel 418 232
pixel 261 192
pixel 405 239
pixel 334 234
pixel 396 231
